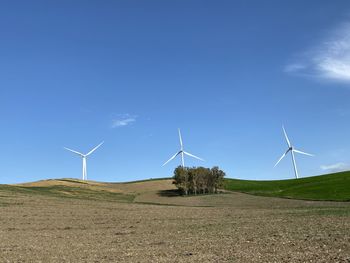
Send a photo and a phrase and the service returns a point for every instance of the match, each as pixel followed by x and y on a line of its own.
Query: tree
pixel 181 179
pixel 198 179
pixel 219 177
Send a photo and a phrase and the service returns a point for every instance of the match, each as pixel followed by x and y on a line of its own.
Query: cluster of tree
pixel 198 180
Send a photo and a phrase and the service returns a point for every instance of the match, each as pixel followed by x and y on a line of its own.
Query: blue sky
pixel 228 73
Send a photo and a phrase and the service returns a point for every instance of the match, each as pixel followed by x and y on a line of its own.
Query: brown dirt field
pixel 229 227
pixel 135 188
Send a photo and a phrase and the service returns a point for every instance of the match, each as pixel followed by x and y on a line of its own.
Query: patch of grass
pixel 4 188
pixel 68 192
pixel 330 187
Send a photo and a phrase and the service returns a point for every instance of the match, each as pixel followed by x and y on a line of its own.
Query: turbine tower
pixel 83 156
pixel 183 153
pixel 292 150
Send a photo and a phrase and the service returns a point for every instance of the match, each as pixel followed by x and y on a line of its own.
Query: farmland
pixel 74 221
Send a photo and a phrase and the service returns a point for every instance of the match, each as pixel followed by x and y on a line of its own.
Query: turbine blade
pixel 73 151
pixel 282 157
pixel 193 156
pixel 180 138
pixel 94 149
pixel 286 136
pixel 297 151
pixel 176 154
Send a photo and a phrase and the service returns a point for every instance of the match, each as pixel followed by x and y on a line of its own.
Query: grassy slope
pixel 334 187
pixel 68 188
pixel 88 190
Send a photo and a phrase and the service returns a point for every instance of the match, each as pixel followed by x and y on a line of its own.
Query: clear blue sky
pixel 228 73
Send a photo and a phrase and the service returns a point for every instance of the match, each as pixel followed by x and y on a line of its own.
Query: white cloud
pixel 330 60
pixel 123 120
pixel 337 167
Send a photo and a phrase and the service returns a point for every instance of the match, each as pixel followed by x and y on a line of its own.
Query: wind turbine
pixel 182 152
pixel 292 150
pixel 84 158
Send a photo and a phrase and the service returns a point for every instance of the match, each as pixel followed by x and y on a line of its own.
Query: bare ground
pixel 217 228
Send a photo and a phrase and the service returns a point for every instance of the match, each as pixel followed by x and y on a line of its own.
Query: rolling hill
pixel 330 187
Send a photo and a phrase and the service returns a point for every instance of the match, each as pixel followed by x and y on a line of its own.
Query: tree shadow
pixel 169 193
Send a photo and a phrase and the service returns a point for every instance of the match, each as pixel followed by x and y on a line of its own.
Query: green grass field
pixel 332 187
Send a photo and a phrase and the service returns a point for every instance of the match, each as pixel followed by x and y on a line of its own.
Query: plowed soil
pixel 159 227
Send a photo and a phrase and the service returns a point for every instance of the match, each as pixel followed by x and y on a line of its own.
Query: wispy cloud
pixel 122 120
pixel 330 60
pixel 337 167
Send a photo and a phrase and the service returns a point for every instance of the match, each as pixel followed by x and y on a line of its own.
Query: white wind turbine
pixel 84 158
pixel 182 152
pixel 292 150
